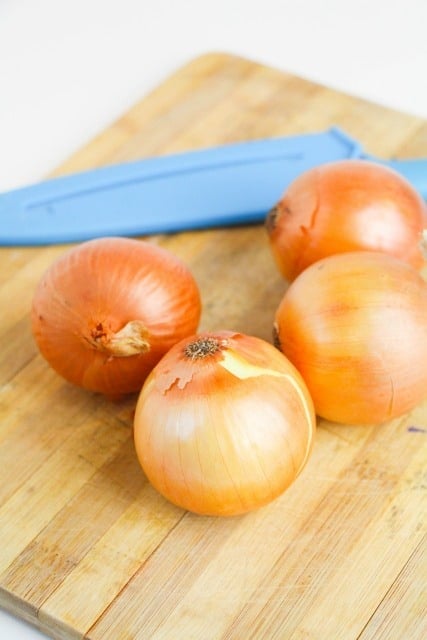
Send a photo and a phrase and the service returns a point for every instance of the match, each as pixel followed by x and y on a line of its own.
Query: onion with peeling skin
pixel 224 424
pixel 107 310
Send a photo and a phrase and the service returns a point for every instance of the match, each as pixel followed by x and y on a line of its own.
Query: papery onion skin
pixel 107 310
pixel 355 326
pixel 227 432
pixel 347 205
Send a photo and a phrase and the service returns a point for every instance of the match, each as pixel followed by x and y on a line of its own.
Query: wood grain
pixel 89 549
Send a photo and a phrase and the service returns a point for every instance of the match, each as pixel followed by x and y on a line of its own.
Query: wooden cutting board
pixel 89 549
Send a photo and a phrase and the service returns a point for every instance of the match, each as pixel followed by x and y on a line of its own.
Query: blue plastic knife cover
pixel 222 186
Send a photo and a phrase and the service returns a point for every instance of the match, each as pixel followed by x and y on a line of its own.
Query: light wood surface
pixel 89 550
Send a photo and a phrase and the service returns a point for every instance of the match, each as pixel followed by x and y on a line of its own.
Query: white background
pixel 70 68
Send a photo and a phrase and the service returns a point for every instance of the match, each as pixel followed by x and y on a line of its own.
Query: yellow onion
pixel 107 310
pixel 223 424
pixel 355 326
pixel 348 205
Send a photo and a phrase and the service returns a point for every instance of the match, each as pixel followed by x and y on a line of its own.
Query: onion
pixel 348 205
pixel 223 424
pixel 107 310
pixel 355 326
